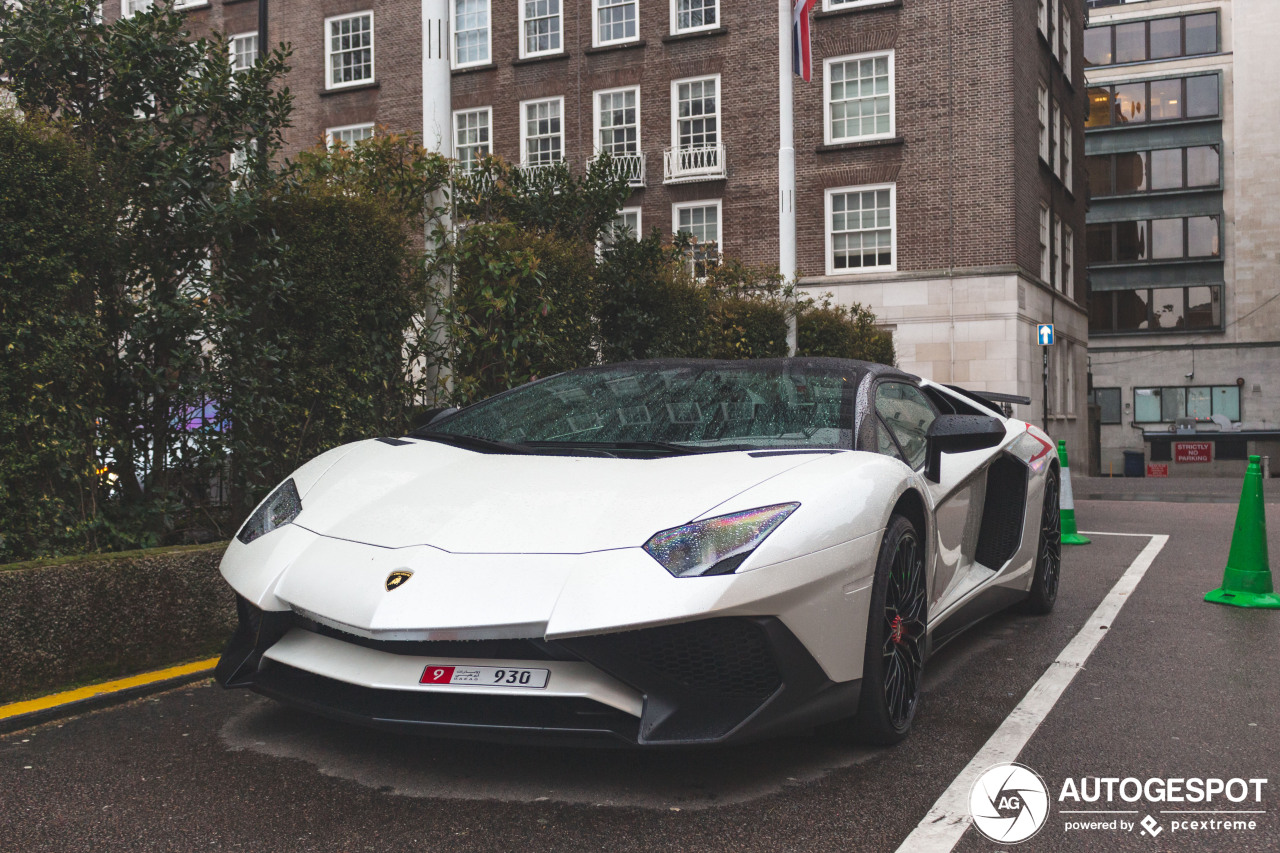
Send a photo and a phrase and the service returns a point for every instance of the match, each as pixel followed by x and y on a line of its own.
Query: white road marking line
pixel 947 821
pixel 1103 533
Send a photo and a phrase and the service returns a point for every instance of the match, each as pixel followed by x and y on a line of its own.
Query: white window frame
pixel 1065 141
pixel 596 41
pixel 231 46
pixel 524 130
pixel 331 132
pixel 1042 107
pixel 1055 21
pixel 1057 252
pixel 1055 143
pixel 525 53
pixel 187 4
pixel 606 240
pixel 328 52
pixel 1042 17
pixel 488 37
pixel 1068 261
pixel 718 204
pixel 128 8
pixel 1045 258
pixel 827 136
pixel 595 116
pixel 1064 37
pixel 676 29
pixel 832 5
pixel 453 130
pixel 675 109
pixel 827 205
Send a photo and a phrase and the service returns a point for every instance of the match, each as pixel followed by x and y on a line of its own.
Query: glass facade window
pixel 1161 38
pixel 1167 239
pixel 1202 96
pixel 1166 38
pixel 1166 100
pixel 1158 310
pixel 1166 169
pixel 1157 100
pixel 1201 33
pixel 1131 42
pixel 1202 237
pixel 1131 172
pixel 1100 106
pixel 1203 167
pixel 1154 171
pixel 1155 240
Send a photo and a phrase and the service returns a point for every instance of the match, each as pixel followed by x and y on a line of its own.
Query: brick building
pixel 938 176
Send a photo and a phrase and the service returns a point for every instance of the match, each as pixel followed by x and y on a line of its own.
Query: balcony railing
pixel 684 165
pixel 526 166
pixel 631 165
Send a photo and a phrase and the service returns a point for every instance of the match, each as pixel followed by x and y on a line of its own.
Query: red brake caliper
pixel 896 630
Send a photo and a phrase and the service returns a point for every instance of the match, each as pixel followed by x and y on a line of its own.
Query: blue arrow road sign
pixel 1045 332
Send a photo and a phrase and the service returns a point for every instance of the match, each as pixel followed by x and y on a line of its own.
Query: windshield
pixel 689 403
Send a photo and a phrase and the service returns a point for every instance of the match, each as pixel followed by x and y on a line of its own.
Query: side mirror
pixel 959 434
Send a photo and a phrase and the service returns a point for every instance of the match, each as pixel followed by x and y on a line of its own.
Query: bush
pixel 51 347
pixel 842 332
pixel 313 353
pixel 650 307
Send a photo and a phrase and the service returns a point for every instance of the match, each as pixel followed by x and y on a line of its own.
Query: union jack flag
pixel 801 57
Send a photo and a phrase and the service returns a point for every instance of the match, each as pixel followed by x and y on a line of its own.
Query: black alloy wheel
pixel 894 659
pixel 1044 587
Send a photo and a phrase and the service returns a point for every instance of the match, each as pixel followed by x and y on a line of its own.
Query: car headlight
pixel 715 546
pixel 281 507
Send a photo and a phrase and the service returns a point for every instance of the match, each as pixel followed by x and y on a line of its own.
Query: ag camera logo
pixel 1009 803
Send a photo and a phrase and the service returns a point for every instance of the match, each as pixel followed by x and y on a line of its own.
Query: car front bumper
pixel 707 681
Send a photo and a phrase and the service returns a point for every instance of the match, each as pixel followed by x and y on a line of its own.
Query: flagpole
pixel 786 162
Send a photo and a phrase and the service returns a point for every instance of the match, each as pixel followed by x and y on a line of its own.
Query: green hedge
pixel 83 619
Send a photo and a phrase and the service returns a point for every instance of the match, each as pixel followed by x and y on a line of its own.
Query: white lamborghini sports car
pixel 653 553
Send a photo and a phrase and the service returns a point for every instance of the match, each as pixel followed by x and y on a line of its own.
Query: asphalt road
pixel 1176 688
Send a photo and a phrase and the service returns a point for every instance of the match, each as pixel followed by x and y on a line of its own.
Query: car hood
pixel 398 495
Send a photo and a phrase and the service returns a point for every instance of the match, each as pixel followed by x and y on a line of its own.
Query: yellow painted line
pixel 68 696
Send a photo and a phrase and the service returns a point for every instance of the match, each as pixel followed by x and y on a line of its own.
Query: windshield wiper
pixel 471 442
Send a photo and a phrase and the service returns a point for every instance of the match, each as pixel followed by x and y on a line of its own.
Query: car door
pixel 905 414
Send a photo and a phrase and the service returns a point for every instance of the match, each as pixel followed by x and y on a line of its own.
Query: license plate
pixel 489 676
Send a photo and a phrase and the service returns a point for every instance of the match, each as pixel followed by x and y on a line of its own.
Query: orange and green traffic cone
pixel 1247 579
pixel 1070 535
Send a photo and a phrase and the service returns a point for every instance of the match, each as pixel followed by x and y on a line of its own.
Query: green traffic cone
pixel 1247 579
pixel 1070 535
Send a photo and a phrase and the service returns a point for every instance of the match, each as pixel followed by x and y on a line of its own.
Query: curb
pixel 107 695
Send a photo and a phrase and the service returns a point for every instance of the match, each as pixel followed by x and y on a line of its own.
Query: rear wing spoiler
pixel 992 399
